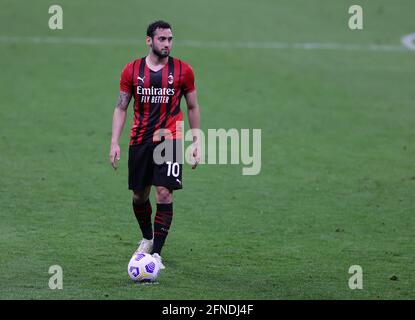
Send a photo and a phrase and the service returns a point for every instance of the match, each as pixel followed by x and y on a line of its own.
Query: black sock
pixel 142 213
pixel 162 222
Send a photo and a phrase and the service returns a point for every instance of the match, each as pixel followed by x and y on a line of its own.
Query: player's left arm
pixel 193 114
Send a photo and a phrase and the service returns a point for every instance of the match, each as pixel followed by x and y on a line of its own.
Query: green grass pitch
pixel 337 183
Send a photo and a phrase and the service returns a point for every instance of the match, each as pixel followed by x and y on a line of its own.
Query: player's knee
pixel 164 195
pixel 139 197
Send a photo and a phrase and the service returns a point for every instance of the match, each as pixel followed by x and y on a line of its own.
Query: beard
pixel 160 53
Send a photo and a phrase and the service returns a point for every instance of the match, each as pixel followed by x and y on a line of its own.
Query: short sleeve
pixel 126 78
pixel 188 79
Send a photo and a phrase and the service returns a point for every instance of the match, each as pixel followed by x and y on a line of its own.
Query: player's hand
pixel 115 154
pixel 195 154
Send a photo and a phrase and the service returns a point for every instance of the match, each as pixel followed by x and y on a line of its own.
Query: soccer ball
pixel 143 268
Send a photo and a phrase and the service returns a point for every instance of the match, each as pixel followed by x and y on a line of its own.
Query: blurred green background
pixel 337 183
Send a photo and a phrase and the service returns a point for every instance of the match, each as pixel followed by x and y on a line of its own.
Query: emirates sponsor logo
pixel 153 91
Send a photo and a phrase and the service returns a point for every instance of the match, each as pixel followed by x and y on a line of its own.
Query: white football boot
pixel 144 246
pixel 159 260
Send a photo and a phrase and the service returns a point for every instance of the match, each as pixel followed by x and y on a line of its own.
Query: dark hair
pixel 155 25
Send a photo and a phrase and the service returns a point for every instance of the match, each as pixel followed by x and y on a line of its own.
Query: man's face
pixel 161 42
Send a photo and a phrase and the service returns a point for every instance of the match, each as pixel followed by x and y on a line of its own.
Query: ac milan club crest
pixel 170 79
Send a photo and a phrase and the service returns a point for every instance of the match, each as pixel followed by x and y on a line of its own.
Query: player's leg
pixel 139 181
pixel 166 177
pixel 142 211
pixel 164 217
pixel 162 221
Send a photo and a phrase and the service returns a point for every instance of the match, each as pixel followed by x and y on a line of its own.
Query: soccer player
pixel 157 82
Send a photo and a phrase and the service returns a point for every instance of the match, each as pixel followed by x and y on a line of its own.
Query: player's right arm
pixel 120 112
pixel 118 121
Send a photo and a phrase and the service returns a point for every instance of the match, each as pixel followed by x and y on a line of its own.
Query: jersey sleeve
pixel 126 84
pixel 188 79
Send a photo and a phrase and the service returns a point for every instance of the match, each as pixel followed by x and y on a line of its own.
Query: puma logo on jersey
pixel 142 79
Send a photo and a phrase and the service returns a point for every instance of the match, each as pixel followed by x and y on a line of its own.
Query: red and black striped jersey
pixel 157 97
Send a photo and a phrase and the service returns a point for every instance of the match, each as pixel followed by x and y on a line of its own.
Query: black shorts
pixel 143 170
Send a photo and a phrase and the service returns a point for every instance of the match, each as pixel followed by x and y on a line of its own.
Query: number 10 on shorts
pixel 173 168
